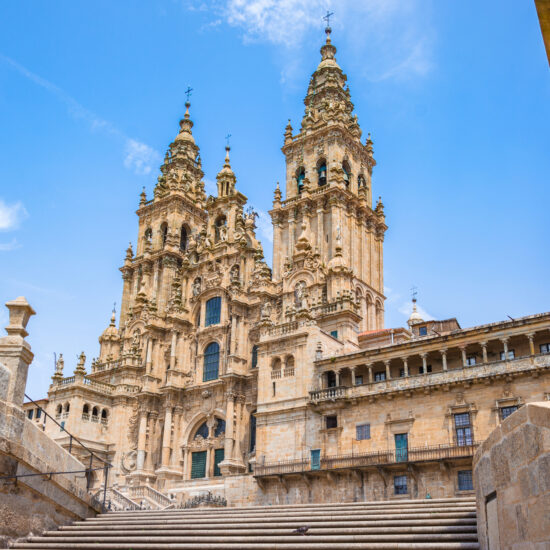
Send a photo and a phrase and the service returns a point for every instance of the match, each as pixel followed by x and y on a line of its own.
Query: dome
pixel 415 317
pixel 111 332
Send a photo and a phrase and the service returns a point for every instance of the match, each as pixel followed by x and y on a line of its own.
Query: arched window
pixel 252 431
pixel 164 233
pixel 104 414
pixel 183 239
pixel 213 311
pixel 220 427
pixel 211 362
pixel 289 366
pixel 254 356
pixel 322 173
pixel 202 431
pixel 347 173
pixel 300 179
pixel 220 228
pixel 148 234
pixel 86 409
pixel 94 411
pixel 67 407
pixel 59 409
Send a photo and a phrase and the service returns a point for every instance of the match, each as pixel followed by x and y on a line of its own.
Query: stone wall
pixel 512 481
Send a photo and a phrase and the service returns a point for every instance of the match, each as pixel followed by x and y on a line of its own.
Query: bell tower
pixel 328 198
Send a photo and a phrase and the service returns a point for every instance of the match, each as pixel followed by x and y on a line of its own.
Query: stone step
pixel 94 528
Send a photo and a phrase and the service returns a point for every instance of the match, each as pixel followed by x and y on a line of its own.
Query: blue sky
pixel 456 95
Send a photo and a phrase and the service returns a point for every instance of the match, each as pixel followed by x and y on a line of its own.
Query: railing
pixel 88 471
pixel 67 381
pixel 482 370
pixel 100 386
pixel 124 502
pixel 362 460
pixel 146 491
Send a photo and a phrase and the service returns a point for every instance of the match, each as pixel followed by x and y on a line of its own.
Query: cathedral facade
pixel 283 385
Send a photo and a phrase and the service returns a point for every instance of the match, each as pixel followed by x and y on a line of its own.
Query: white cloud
pixel 12 245
pixel 139 157
pixel 407 307
pixel 390 38
pixel 11 215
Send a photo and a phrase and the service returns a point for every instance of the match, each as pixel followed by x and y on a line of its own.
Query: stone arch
pixel 163 234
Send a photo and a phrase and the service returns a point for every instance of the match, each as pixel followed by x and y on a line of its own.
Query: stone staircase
pixel 438 524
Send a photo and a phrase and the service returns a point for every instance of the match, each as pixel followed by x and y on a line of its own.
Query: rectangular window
pixel 334 333
pixel 315 459
pixel 38 413
pixel 218 457
pixel 213 311
pixel 331 421
pixel 471 360
pixel 362 431
pixel 30 413
pixel 198 464
pixel 401 447
pixel 379 376
pixel 421 369
pixel 465 482
pixel 62 429
pixel 544 348
pixel 464 433
pixel 400 485
pixel 511 354
pixel 505 412
pixel 254 356
pixel 359 380
pixel 423 331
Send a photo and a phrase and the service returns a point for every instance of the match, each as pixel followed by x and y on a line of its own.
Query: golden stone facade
pixel 280 386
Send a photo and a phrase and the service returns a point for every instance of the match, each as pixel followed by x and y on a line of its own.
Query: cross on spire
pixel 327 17
pixel 227 139
pixel 188 93
pixel 414 293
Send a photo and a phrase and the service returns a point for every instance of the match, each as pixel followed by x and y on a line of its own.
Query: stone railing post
pixel 15 353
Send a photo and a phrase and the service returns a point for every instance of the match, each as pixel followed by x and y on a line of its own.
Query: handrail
pixel 106 465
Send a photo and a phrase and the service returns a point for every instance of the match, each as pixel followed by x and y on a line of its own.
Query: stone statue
pixel 266 311
pixel 299 295
pixel 197 287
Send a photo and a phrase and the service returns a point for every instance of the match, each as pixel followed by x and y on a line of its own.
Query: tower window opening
pixel 322 173
pixel 300 180
pixel 347 173
pixel 183 239
pixel 211 362
pixel 164 233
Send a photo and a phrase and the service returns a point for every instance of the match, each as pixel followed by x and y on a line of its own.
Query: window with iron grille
pixel 400 485
pixel 218 457
pixel 213 311
pixel 198 464
pixel 379 376
pixel 211 362
pixel 362 431
pixel 331 421
pixel 505 412
pixel 465 482
pixel 463 428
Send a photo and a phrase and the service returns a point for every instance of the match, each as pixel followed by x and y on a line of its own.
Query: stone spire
pixel 226 177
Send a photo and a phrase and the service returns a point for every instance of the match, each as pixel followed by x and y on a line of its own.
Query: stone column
pixel 277 238
pixel 291 222
pixel 463 352
pixel 142 439
pixel 233 349
pixel 320 239
pixel 531 338
pixel 238 429
pixel 484 351
pixel 126 294
pixel 444 358
pixel 166 437
pixel 388 371
pixel 505 345
pixel 424 362
pixel 352 369
pixel 369 366
pixel 229 421
pixel 15 353
pixel 178 411
pixel 173 347
pixel 149 355
pixel 406 365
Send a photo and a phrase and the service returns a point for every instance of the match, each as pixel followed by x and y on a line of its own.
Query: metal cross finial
pixel 414 292
pixel 114 307
pixel 227 139
pixel 327 17
pixel 188 93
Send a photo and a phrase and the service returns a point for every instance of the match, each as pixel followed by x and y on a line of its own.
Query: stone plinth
pixel 512 482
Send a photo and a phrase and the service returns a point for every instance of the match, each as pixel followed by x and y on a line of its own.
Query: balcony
pixel 518 366
pixel 368 460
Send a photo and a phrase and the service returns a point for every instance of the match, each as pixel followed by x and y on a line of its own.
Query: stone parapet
pixel 512 482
